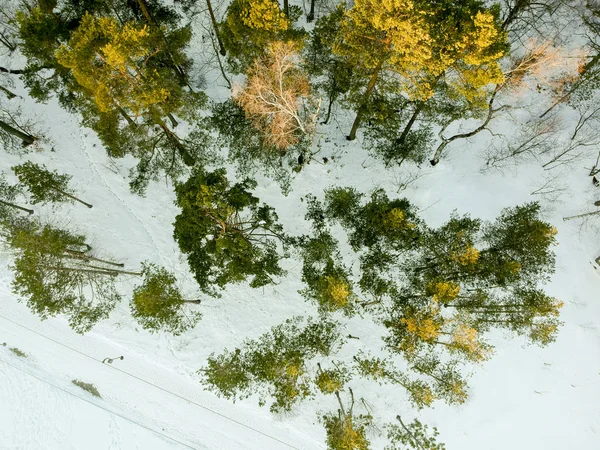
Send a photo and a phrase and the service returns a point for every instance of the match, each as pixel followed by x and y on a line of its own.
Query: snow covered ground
pixel 523 398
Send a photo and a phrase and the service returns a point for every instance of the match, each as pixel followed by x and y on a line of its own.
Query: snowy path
pixel 134 388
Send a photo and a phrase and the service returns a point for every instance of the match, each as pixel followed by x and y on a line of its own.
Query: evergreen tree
pixel 248 149
pixel 56 276
pixel 248 28
pixel 413 436
pixel 274 365
pixel 158 305
pixel 227 236
pixel 45 186
pixel 8 195
pixel 421 44
pixel 333 74
pixel 114 65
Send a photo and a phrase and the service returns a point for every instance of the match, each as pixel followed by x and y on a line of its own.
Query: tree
pixel 274 365
pixel 8 195
pixel 332 74
pixel 277 97
pixel 413 41
pixel 437 291
pixel 111 63
pixel 45 186
pixel 415 436
pixel 346 431
pixel 158 305
pixel 17 132
pixel 248 28
pixel 227 236
pixel 56 276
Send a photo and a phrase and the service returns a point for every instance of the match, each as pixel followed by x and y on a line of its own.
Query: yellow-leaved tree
pixel 114 64
pixel 409 47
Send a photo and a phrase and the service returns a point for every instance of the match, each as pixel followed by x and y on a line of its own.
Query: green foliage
pixel 327 281
pixel 43 185
pixel 332 380
pixel 158 305
pixel 275 364
pixel 246 148
pixel 413 436
pixel 333 75
pixel 18 352
pixel 383 139
pixel 89 387
pixel 8 193
pixel 226 234
pixel 249 26
pixel 346 431
pixel 52 275
pixel 126 77
pixel 437 291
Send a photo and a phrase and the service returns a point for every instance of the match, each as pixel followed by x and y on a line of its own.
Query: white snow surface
pixel 525 397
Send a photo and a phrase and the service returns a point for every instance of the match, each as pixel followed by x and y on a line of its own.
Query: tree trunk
pixel 193 301
pixel 93 269
pixel 8 93
pixel 72 197
pixel 14 72
pixel 445 142
pixel 26 138
pixel 188 159
pixel 411 122
pixel 82 256
pixel 180 72
pixel 311 14
pixel 213 19
pixel 286 8
pixel 367 96
pixel 12 205
pixel 593 213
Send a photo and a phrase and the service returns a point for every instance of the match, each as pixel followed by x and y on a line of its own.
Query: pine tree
pixel 158 305
pixel 8 195
pixel 247 149
pixel 56 276
pixel 274 365
pixel 114 64
pixel 414 436
pixel 248 28
pixel 45 186
pixel 227 236
pixel 418 42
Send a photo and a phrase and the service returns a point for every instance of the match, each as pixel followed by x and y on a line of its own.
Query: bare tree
pixel 277 97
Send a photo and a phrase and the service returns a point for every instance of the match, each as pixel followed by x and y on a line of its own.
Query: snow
pixel 523 398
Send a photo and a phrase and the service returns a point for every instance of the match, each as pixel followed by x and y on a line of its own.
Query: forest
pixel 258 120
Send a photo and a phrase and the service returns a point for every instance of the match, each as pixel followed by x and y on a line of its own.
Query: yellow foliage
pixel 425 326
pixel 513 266
pixel 443 291
pixel 465 339
pixel 338 291
pixel 264 15
pixel 395 35
pixel 468 258
pixel 293 370
pixel 396 220
pixel 109 60
pixel 423 395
